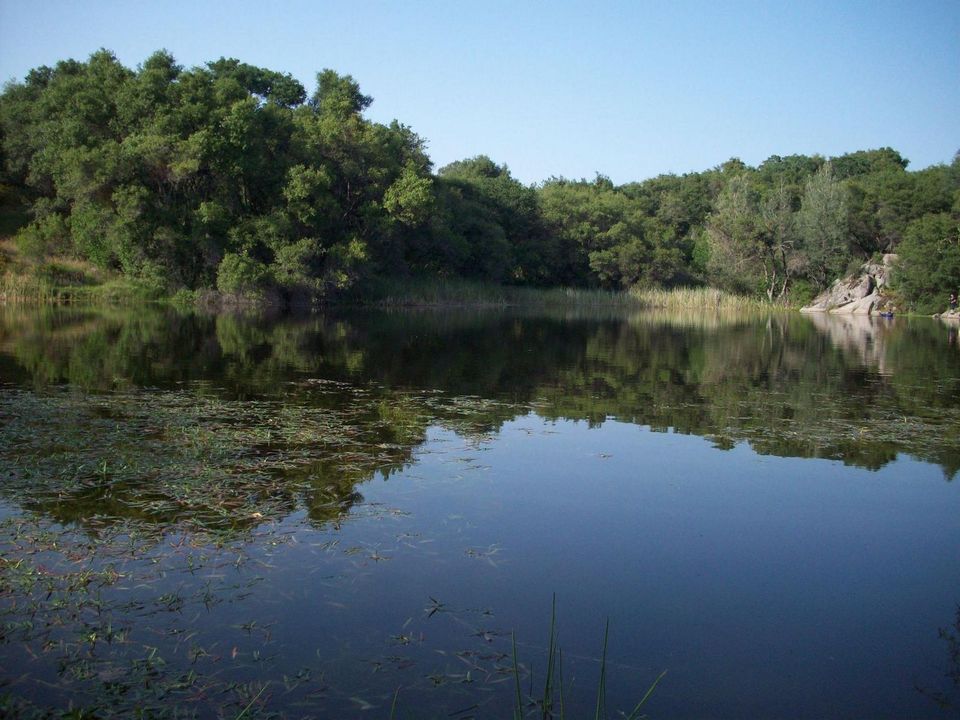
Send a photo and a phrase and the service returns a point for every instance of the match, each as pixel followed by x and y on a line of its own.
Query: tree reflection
pixel 280 413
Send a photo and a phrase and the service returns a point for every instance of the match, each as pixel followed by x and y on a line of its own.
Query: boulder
pixel 857 294
pixel 861 306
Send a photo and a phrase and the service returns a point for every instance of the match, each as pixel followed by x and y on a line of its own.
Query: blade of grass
pixel 551 661
pixel 518 710
pixel 636 711
pixel 602 686
pixel 560 678
pixel 393 705
pixel 250 704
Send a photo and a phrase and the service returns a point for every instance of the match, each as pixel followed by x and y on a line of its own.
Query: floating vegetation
pixel 205 464
pixel 102 625
pixel 120 625
pixel 135 519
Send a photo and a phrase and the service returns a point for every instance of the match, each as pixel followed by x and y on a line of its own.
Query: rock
pixel 859 294
pixel 863 306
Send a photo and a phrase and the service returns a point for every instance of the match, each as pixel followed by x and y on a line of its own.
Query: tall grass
pixel 453 292
pixel 27 280
pixel 33 289
pixel 702 298
pixel 16 288
pixel 549 702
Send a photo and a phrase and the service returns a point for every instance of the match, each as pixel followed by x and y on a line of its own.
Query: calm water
pixel 299 516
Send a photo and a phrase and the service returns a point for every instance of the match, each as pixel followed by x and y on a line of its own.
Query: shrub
pixel 242 275
pixel 43 238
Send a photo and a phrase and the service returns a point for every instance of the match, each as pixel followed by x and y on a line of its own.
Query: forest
pixel 231 177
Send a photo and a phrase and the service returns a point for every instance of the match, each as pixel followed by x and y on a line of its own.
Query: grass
pixel 453 292
pixel 550 701
pixel 36 289
pixel 702 298
pixel 63 280
pixel 16 288
pixel 547 702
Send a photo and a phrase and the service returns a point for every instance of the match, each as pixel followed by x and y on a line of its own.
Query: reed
pixel 29 289
pixel 455 292
pixel 16 288
pixel 550 701
pixel 701 298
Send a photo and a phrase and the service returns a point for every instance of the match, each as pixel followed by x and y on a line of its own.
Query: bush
pixel 801 292
pixel 152 275
pixel 43 238
pixel 59 274
pixel 185 299
pixel 297 265
pixel 241 275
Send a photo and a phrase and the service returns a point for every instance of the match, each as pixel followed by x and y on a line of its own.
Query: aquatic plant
pixel 455 292
pixel 549 701
pixel 699 299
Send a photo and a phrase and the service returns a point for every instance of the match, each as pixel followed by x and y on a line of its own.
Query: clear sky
pixel 630 89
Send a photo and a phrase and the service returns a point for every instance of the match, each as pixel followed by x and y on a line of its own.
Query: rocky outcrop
pixel 859 294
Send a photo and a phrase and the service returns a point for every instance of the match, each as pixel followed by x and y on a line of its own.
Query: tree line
pixel 231 176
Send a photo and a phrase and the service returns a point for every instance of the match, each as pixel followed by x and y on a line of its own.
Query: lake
pixel 372 514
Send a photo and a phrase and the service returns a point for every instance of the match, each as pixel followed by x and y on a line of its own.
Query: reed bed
pixel 439 292
pixel 454 292
pixel 31 289
pixel 702 298
pixel 26 288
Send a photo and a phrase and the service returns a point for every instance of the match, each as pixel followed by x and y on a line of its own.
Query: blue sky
pixel 629 89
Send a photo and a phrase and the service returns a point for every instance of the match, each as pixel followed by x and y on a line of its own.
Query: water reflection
pixel 203 490
pixel 223 422
pixel 855 389
pixel 863 337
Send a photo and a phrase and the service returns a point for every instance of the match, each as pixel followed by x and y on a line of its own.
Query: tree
pixel 752 239
pixel 822 227
pixel 929 262
pixel 498 218
pixel 338 95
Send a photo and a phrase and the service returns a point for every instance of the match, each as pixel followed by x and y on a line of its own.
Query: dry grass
pixel 453 292
pixel 703 298
pixel 61 280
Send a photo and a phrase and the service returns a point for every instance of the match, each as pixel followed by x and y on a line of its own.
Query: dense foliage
pixel 231 176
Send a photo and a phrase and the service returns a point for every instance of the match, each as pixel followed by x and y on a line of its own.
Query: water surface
pixel 217 515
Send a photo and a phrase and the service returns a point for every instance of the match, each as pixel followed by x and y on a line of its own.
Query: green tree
pixel 753 240
pixel 492 222
pixel 822 227
pixel 929 262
